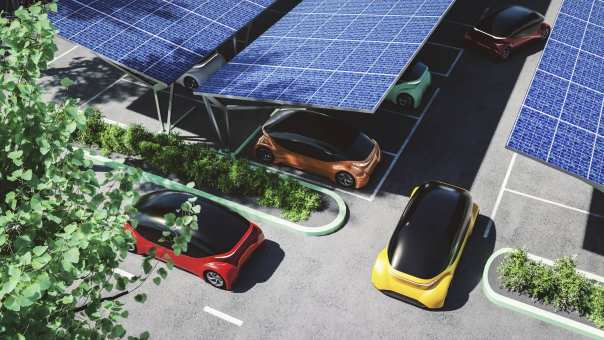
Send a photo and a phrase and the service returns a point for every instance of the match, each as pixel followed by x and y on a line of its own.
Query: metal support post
pixel 170 100
pixel 158 110
pixel 210 111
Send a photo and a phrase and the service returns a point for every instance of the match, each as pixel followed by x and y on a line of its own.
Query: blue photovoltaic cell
pixel 348 53
pixel 161 39
pixel 561 121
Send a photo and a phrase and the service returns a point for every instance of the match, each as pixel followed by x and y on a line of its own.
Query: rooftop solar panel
pixel 161 39
pixel 343 54
pixel 561 121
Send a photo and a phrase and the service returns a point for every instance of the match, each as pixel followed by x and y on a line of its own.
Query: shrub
pixel 168 154
pixel 560 285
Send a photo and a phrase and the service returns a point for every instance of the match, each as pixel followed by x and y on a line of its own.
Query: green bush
pixel 169 155
pixel 560 285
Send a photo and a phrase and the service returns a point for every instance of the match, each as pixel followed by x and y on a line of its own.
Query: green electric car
pixel 409 90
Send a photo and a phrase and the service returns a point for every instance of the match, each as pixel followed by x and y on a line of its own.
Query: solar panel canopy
pixel 161 39
pixel 560 122
pixel 343 54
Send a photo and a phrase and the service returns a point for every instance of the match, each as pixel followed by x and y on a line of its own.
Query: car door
pixel 526 34
pixel 297 156
pixel 152 236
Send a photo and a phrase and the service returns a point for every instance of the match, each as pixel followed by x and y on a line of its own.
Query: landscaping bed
pixel 169 156
pixel 554 288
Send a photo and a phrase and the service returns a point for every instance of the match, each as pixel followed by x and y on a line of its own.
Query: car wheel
pixel 405 101
pixel 265 155
pixel 506 52
pixel 345 179
pixel 545 33
pixel 214 279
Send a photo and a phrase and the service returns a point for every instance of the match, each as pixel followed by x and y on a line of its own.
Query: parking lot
pixel 305 287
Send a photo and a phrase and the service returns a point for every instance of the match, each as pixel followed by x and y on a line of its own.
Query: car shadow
pixel 473 260
pixel 260 267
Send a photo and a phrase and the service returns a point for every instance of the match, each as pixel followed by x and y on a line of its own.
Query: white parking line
pixel 458 23
pixel 123 273
pixel 63 54
pixel 223 316
pixel 389 153
pixel 103 91
pixel 554 203
pixel 402 148
pixel 400 114
pixel 499 196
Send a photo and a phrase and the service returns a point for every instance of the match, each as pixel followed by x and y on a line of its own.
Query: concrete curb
pixel 532 311
pixel 245 211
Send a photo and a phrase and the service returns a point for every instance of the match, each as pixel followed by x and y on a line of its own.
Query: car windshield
pixel 413 73
pixel 218 227
pixel 424 241
pixel 343 140
pixel 505 22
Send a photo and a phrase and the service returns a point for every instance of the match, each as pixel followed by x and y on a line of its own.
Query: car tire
pixel 545 33
pixel 404 100
pixel 506 52
pixel 265 155
pixel 345 179
pixel 214 279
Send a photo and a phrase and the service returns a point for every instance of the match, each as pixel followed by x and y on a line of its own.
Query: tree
pixel 61 228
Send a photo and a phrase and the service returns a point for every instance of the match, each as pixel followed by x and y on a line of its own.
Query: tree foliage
pixel 61 227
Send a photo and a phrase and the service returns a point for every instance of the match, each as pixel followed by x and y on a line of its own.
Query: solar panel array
pixel 159 38
pixel 561 121
pixel 343 54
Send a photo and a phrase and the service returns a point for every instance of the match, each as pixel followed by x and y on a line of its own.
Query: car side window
pixel 458 241
pixel 154 235
pixel 197 249
pixel 293 146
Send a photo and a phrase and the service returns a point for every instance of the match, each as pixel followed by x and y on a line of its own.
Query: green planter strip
pixel 245 211
pixel 533 311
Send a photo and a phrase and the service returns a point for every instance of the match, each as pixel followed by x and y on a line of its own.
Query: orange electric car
pixel 319 144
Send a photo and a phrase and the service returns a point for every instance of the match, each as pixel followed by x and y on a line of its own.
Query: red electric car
pixel 502 31
pixel 218 248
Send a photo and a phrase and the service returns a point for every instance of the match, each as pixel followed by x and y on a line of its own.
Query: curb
pixel 532 311
pixel 245 211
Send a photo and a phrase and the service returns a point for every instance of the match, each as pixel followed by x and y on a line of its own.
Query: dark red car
pixel 218 248
pixel 504 30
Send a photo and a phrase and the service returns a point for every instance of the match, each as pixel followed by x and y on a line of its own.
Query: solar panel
pixel 343 54
pixel 561 121
pixel 161 39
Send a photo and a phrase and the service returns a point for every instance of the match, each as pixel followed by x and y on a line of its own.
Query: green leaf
pixel 144 336
pixel 41 261
pixel 157 280
pixel 72 255
pixel 118 331
pixel 141 298
pixel 170 219
pixel 44 281
pixel 162 272
pixel 147 265
pixel 39 250
pixel 27 175
pixel 66 82
pixel 67 299
pixel 32 291
pixel 11 303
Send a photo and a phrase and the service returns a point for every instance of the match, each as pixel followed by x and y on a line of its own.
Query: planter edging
pixel 246 211
pixel 535 312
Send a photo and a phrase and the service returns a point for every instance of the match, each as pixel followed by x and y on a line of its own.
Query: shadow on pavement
pixel 593 240
pixel 471 266
pixel 260 267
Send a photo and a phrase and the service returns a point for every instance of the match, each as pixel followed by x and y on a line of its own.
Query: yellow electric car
pixel 418 264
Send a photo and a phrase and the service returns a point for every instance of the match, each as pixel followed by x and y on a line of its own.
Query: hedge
pixel 169 154
pixel 559 285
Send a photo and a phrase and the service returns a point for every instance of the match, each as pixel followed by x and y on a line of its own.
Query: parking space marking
pixel 123 273
pixel 400 114
pixel 453 64
pixel 499 196
pixel 389 153
pixel 444 45
pixel 223 316
pixel 103 91
pixel 458 23
pixel 402 148
pixel 561 205
pixel 63 54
